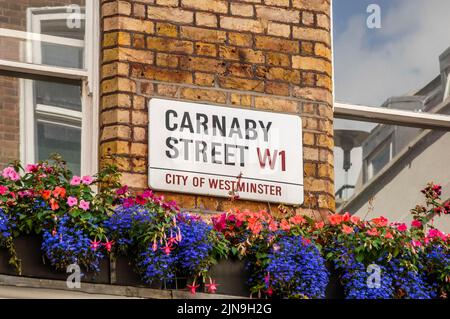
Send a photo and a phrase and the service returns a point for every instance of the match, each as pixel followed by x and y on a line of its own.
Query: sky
pixel 372 65
pixel 402 56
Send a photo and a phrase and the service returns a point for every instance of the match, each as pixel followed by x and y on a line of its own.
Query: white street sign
pixel 203 149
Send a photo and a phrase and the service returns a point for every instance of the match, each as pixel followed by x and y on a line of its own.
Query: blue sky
pixel 374 64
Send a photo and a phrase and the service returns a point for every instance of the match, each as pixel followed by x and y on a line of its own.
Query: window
pixel 378 159
pixel 50 60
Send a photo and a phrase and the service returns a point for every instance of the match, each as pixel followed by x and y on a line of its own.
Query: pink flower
pixel 3 190
pixel 72 201
pixel 148 193
pixel 87 180
pixel 416 224
pixel 347 229
pixel 433 233
pixel 76 180
pixel 355 219
pixel 373 232
pixel 388 235
pixel 84 205
pixel 11 174
pixel 402 227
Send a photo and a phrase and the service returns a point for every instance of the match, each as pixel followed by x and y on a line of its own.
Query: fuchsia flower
pixel 402 227
pixel 269 292
pixel 95 244
pixel 72 201
pixel 10 173
pixel 212 286
pixel 435 233
pixel 192 288
pixel 75 181
pixel 3 190
pixel 167 249
pixel 108 245
pixel 416 224
pixel 84 205
pixel 87 180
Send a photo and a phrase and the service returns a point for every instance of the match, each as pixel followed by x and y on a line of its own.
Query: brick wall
pixel 264 54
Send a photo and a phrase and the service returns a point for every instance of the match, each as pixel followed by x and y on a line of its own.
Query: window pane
pixel 386 168
pixel 43 32
pixel 406 54
pixel 47 114
pixel 61 139
pixel 58 94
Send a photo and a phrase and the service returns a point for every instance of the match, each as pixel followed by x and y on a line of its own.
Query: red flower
pixel 46 194
pixel 319 225
pixel 388 235
pixel 54 204
pixel 140 200
pixel 297 220
pixel 402 227
pixel 335 219
pixel 380 221
pixel 59 191
pixel 128 202
pixel 3 190
pixel 192 288
pixel 284 225
pixel 346 217
pixel 416 224
pixel 373 232
pixel 269 292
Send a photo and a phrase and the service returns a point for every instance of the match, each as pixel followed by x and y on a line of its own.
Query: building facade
pixel 82 75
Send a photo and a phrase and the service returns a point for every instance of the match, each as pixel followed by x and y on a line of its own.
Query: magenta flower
pixel 108 245
pixel 192 288
pixel 122 190
pixel 75 181
pixel 72 201
pixel 148 193
pixel 402 227
pixel 87 180
pixel 10 173
pixel 84 205
pixel 212 286
pixel 3 190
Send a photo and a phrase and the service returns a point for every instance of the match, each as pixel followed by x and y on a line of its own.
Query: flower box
pixel 334 289
pixel 231 277
pixel 34 264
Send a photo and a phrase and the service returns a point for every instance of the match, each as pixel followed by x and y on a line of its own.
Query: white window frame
pixel 88 77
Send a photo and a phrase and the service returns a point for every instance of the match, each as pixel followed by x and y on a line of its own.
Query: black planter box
pixel 231 277
pixel 124 274
pixel 334 289
pixel 34 264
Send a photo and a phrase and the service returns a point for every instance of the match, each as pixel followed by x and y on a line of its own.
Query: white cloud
pixel 402 56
